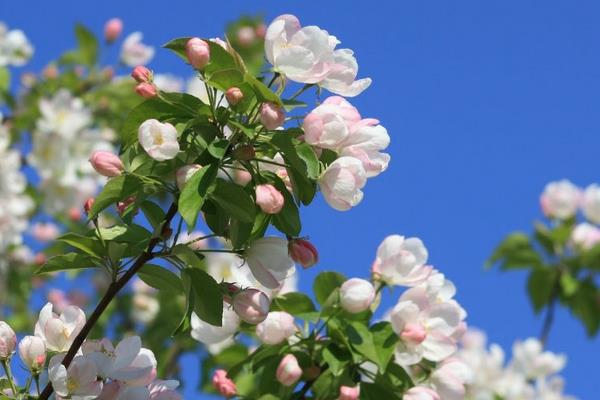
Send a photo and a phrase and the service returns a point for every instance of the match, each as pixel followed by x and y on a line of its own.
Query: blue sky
pixel 485 103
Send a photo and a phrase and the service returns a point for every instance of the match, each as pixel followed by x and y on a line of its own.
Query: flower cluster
pixel 15 49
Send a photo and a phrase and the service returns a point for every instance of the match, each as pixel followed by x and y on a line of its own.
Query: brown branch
pixel 112 291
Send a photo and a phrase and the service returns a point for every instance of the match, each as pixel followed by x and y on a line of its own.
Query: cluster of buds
pixel 145 87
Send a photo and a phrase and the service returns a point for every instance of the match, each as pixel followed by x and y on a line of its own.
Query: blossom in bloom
pixel 184 174
pixel 145 305
pixel 303 252
pixel 251 305
pixel 425 327
pixel 421 393
pixel 128 362
pixel 585 236
pixel 63 114
pixel 164 390
pixel 530 359
pixel 349 392
pixel 450 377
pixel 268 198
pixel 134 52
pixel 277 327
pixel 15 48
pixel 560 199
pixel 158 139
pixel 223 384
pixel 197 52
pixel 208 334
pixel 167 83
pixel 59 332
pixel 356 295
pixel 591 203
pixel 269 261
pixel 341 183
pixel 288 372
pixel 32 351
pixel 272 116
pixel 234 95
pixel 8 340
pixel 113 29
pixel 341 78
pixel 401 261
pixel 45 231
pixel 78 382
pixel 106 163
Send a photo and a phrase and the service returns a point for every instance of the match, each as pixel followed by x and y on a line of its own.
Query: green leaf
pixel 208 300
pixel 591 258
pixel 218 148
pixel 4 79
pixel 568 283
pixel 294 303
pixel 154 213
pixel 288 219
pixel 194 193
pixel 178 46
pixel 160 278
pixel 126 233
pixel 585 306
pixel 88 245
pixel 64 262
pixel 376 344
pixel 88 45
pixel 234 200
pixel 336 358
pixel 239 233
pixel 263 93
pixel 115 190
pixel 226 78
pixel 325 284
pixel 307 154
pixel 515 251
pixel 540 286
pixel 374 391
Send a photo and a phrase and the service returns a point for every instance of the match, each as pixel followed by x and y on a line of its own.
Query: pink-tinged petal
pixel 126 351
pixel 437 347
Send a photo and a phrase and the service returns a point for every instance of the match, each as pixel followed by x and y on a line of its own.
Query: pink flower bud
pixel 349 393
pixel 32 351
pixel 271 115
pixel 234 95
pixel 8 340
pixel 146 90
pixel 141 74
pixel 288 371
pixel 40 259
pixel 88 205
pixel 106 163
pixel 303 252
pixel 269 199
pixel 45 231
pixel 184 174
pixel 261 31
pixel 112 29
pixel 197 52
pixel 251 305
pixel 122 205
pixel 246 35
pixel 74 214
pixel 356 295
pixel 242 177
pixel 413 333
pixel 223 384
pixel 276 328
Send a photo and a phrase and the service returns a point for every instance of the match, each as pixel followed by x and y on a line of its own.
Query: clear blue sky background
pixel 485 103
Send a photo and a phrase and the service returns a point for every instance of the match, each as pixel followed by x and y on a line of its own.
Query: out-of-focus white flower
pixel 15 48
pixel 450 377
pixel 134 52
pixel 421 393
pixel 144 302
pixel 585 236
pixel 269 261
pixel 341 183
pixel 45 231
pixel 164 390
pixel 401 261
pixel 78 382
pixel 591 203
pixel 63 115
pixel 560 199
pixel 209 334
pixel 168 83
pixel 530 359
pixel 59 332
pixel 128 362
pixel 277 327
pixel 158 139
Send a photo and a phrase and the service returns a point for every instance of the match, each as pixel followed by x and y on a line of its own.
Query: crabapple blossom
pixel 45 231
pixel 32 351
pixel 63 114
pixel 144 302
pixel 341 183
pixel 78 381
pixel 223 384
pixel 591 203
pixel 268 198
pixel 288 372
pixel 251 305
pixel 59 332
pixel 209 334
pixel 8 340
pixel 164 390
pixel 246 35
pixel 356 295
pixel 272 116
pixel 349 393
pixel 421 393
pixel 234 95
pixel 146 90
pixel 158 139
pixel 269 261
pixel 585 236
pixel 450 377
pixel 341 78
pixel 560 199
pixel 530 359
pixel 106 163
pixel 197 52
pixel 425 328
pixel 167 82
pixel 184 174
pixel 141 74
pixel 401 261
pixel 303 252
pixel 134 52
pixel 15 48
pixel 113 29
pixel 277 327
